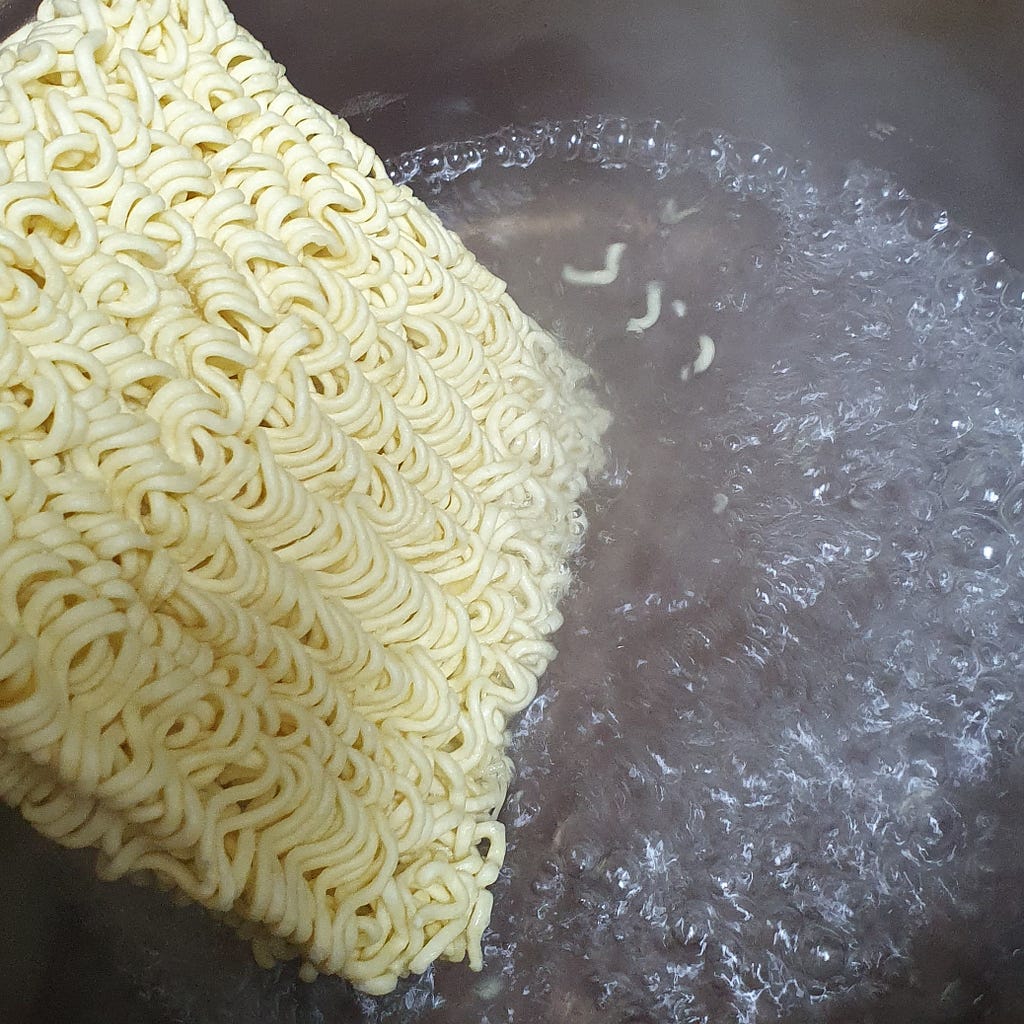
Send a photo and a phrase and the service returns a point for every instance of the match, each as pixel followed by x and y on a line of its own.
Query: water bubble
pixel 1011 509
pixel 408 166
pixel 948 241
pixel 523 156
pixel 432 161
pixel 519 138
pixel 590 148
pixel 1012 296
pixel 862 495
pixel 972 252
pixel 615 141
pixel 940 579
pixel 824 953
pixel 977 480
pixel 976 541
pixel 649 143
pixel 706 153
pixel 563 142
pixel 960 659
pixel 989 654
pixel 950 290
pixel 924 220
pixel 991 279
pixel 582 857
pixel 495 146
pixel 751 163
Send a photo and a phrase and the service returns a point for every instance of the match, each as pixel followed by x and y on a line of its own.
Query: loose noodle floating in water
pixel 286 485
pixel 639 324
pixel 608 274
pixel 705 357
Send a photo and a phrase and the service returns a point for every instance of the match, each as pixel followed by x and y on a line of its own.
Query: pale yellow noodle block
pixel 287 482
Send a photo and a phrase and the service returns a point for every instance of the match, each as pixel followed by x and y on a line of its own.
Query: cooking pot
pixel 930 93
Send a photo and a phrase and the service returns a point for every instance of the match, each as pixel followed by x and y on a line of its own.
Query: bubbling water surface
pixel 794 643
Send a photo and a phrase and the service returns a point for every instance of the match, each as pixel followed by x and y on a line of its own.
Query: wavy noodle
pixel 286 485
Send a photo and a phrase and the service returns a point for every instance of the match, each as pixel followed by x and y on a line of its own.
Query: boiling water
pixel 764 761
pixel 773 773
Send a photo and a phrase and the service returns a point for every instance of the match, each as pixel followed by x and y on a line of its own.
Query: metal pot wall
pixel 931 92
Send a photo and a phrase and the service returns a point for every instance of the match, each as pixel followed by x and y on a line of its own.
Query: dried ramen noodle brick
pixel 286 485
